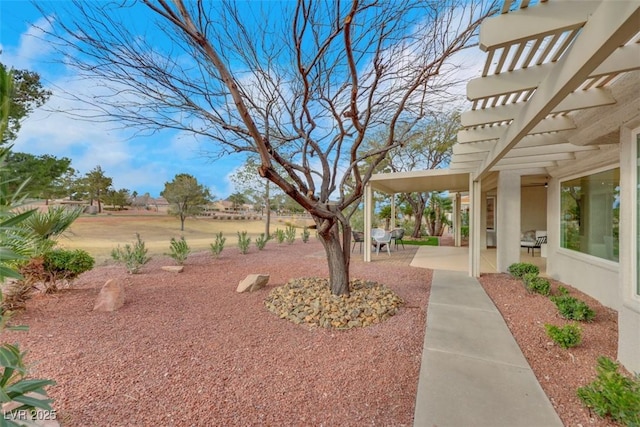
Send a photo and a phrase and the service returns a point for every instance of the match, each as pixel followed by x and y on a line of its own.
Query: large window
pixel 590 214
pixel 638 215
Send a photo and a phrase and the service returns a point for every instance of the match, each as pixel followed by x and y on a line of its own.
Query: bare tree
pixel 300 86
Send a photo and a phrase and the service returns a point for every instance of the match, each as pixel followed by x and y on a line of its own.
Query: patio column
pixel 508 220
pixel 392 224
pixel 474 226
pixel 368 212
pixel 457 220
pixel 483 220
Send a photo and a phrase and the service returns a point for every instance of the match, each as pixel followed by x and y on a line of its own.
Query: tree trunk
pixel 418 224
pixel 338 257
pixel 438 222
pixel 267 202
pixel 182 218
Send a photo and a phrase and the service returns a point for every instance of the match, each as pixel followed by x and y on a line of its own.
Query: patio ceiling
pixel 545 63
pixel 421 181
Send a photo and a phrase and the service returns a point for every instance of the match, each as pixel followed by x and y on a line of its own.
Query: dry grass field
pixel 99 234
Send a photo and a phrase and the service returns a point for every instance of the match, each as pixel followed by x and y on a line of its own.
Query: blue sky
pixel 142 164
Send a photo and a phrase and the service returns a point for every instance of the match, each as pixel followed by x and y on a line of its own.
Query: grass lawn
pixel 429 241
pixel 100 234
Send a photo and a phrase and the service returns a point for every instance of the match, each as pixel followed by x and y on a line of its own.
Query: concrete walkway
pixel 473 372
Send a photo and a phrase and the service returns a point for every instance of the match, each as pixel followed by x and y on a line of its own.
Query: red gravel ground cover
pixel 187 350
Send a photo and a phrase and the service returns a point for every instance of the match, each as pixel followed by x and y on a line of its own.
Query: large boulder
pixel 253 282
pixel 111 296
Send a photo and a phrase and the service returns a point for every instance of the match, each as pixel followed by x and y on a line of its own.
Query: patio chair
pixel 358 237
pixel 531 246
pixel 380 239
pixel 397 234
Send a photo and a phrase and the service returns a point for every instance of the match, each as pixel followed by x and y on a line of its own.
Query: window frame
pixel 602 262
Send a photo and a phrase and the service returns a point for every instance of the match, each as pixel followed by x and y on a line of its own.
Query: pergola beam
pixel 552 124
pixel 611 25
pixel 623 59
pixel 575 101
pixel 529 24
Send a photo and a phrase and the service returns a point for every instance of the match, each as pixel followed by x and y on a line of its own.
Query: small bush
pixel 261 241
pixel 536 284
pixel 290 234
pixel 519 269
pixel 280 235
pixel 218 245
pixel 561 291
pixel 612 394
pixel 56 265
pixel 243 242
pixel 565 336
pixel 179 250
pixel 132 256
pixel 305 234
pixel 68 264
pixel 573 309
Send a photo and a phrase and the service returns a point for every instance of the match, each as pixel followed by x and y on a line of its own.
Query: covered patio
pixel 556 105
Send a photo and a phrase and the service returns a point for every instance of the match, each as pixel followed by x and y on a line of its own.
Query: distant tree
pixel 69 185
pixel 247 180
pixel 97 184
pixel 43 173
pixel 186 196
pixel 435 213
pixel 117 198
pixel 140 201
pixel 237 199
pixel 27 95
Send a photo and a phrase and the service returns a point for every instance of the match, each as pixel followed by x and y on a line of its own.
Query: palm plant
pixel 15 388
pixel 435 213
pixel 44 228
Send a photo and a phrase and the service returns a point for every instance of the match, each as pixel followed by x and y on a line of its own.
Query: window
pixel 638 214
pixel 491 213
pixel 590 214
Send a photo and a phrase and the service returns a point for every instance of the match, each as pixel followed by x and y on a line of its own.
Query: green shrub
pixel 305 234
pixel 565 336
pixel 243 242
pixel 573 309
pixel 261 241
pixel 612 394
pixel 561 291
pixel 280 235
pixel 132 256
pixel 68 264
pixel 519 269
pixel 179 250
pixel 218 245
pixel 290 234
pixel 58 264
pixel 536 284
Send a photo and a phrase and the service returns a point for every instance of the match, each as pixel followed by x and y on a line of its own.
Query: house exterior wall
pixel 533 214
pixel 614 284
